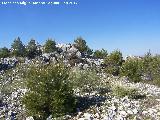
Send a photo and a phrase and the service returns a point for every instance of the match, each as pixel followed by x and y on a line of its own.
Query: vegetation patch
pixel 49 92
pixel 130 92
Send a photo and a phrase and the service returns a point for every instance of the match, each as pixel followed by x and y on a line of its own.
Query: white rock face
pixel 78 54
pixel 145 112
pixel 29 118
pixel 73 50
pixel 113 108
pixel 87 116
pixel 130 112
pixel 85 66
pixel 135 111
pixel 123 114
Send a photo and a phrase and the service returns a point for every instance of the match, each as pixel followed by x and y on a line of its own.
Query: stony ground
pixel 110 107
pixel 100 104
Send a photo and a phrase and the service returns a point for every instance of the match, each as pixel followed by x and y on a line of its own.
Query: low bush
pixel 112 69
pixel 153 69
pixel 132 69
pixel 4 52
pixel 49 92
pixel 85 79
pixel 120 91
pixel 130 92
pixel 113 62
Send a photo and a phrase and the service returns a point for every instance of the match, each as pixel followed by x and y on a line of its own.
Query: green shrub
pixel 32 49
pixel 120 91
pixel 132 69
pixel 85 79
pixel 155 70
pixel 82 46
pixel 18 49
pixel 147 63
pixel 147 68
pixel 49 92
pixel 130 92
pixel 50 46
pixel 4 52
pixel 114 70
pixel 151 68
pixel 100 54
pixel 113 61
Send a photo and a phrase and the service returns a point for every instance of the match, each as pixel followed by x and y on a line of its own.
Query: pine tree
pixel 18 49
pixel 113 62
pixel 100 54
pixel 49 92
pixel 4 52
pixel 80 44
pixel 32 50
pixel 50 46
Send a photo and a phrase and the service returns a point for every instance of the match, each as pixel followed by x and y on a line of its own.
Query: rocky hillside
pixel 100 95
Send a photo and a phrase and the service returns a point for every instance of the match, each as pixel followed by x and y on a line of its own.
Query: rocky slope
pixel 98 104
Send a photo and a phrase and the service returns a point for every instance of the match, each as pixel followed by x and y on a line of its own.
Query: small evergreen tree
pixel 151 68
pixel 113 62
pixel 80 44
pixel 132 69
pixel 148 61
pixel 4 52
pixel 49 92
pixel 18 49
pixel 32 50
pixel 155 70
pixel 50 46
pixel 100 54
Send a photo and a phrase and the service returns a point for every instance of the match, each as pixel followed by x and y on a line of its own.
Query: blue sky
pixel 132 26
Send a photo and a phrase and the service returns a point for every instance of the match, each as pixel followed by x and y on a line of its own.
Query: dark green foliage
pixel 153 69
pixel 32 49
pixel 4 52
pixel 50 46
pixel 18 49
pixel 50 92
pixel 147 68
pixel 113 61
pixel 80 44
pixel 132 69
pixel 114 70
pixel 115 58
pixel 100 54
